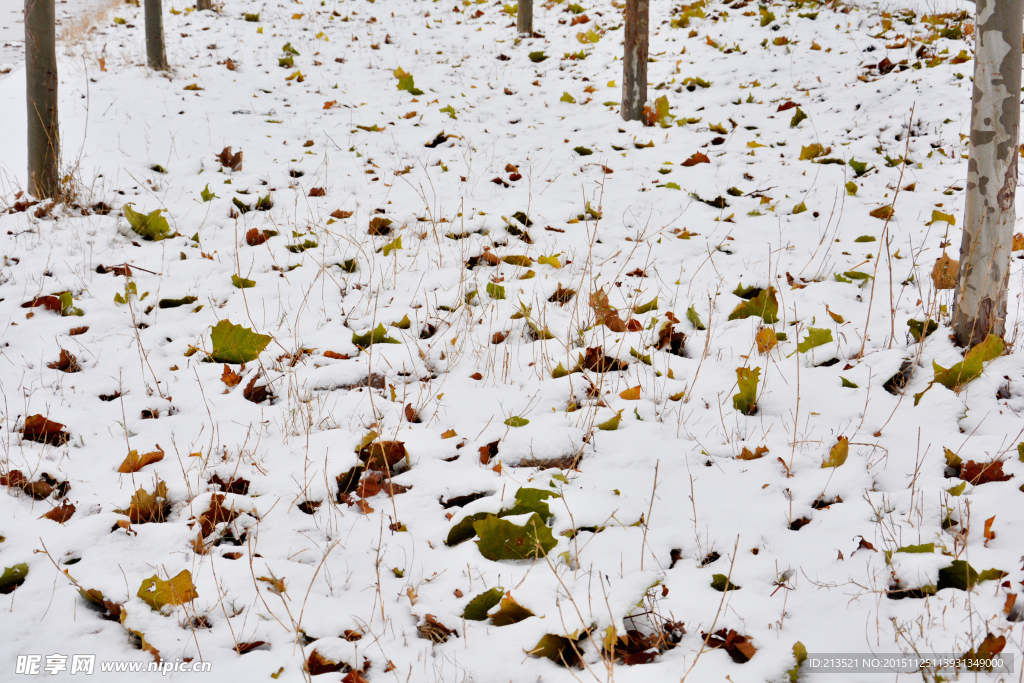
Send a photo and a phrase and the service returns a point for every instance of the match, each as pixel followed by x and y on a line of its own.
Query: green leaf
pixel 241 282
pixel 921 328
pixel 691 315
pixel 799 208
pixel 403 324
pixel 838 454
pixel 392 245
pixel 531 500
pixel 503 540
pixel 721 583
pixel 518 260
pixel 510 612
pixel 851 188
pixel 206 194
pixel 865 238
pixel 816 336
pixel 799 653
pixel 962 576
pixel 923 548
pixel 537 57
pixel 765 305
pixel 671 186
pixel 859 167
pixel 242 207
pixel 797 118
pixel 566 97
pixel 175 303
pixel 1020 451
pixel 516 421
pixel 651 305
pixel 560 371
pixel 405 82
pixel 289 49
pixel 236 344
pixel 583 151
pixel 848 384
pixel 67 306
pixel 463 530
pixel 612 424
pixel 379 335
pixel 745 399
pixel 151 226
pixel 13 577
pixel 558 649
pixel 450 110
pixel 479 606
pixel 971 366
pixel 958 489
pixel 157 593
pixel 495 291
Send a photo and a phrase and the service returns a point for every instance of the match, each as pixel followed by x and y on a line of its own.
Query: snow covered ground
pixel 415 176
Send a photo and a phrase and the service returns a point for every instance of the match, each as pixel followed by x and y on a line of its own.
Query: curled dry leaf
pixel 738 647
pixel 216 514
pixel 148 508
pixel 66 363
pixel 232 161
pixel 254 237
pixel 39 429
pixel 433 630
pixel 339 214
pixel 230 377
pixel 135 462
pixel 606 315
pixel 38 489
pixel 61 513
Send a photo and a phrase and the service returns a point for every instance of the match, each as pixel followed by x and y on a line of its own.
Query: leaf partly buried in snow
pixel 157 593
pixel 12 577
pixel 378 335
pixel 816 336
pixel 838 454
pixel 745 399
pixel 236 344
pixel 971 366
pixel 510 612
pixel 135 462
pixel 694 318
pixel 503 540
pixel 151 226
pixel 765 305
pixel 479 606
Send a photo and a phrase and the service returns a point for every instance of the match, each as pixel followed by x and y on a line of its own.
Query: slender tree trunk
pixel 41 92
pixel 981 289
pixel 204 4
pixel 524 16
pixel 155 35
pixel 634 61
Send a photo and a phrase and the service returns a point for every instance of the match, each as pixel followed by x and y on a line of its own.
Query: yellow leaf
pixel 944 272
pixel 766 340
pixel 632 394
pixel 156 592
pixel 135 462
pixel 835 316
pixel 838 454
pixel 449 434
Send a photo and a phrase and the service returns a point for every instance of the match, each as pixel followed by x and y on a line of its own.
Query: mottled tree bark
pixel 204 4
pixel 41 95
pixel 524 16
pixel 981 289
pixel 634 60
pixel 155 35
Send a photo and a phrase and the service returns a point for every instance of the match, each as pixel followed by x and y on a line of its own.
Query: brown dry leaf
pixel 256 394
pixel 236 485
pixel 216 514
pixel 232 161
pixel 243 648
pixel 792 282
pixel 75 331
pixel 434 631
pixel 330 104
pixel 254 237
pixel 766 340
pixel 317 192
pixel 373 483
pixel 61 514
pixel 39 429
pixel 335 355
pixel 364 507
pixel 1011 599
pixel 487 452
pixel 634 325
pixel 103 63
pixel 1018 242
pixel 317 664
pixel 759 452
pixel 989 534
pixel 736 645
pixel 50 303
pixel 135 462
pixel 978 473
pixel 697 158
pixel 354 676
pixel 477 376
pixel 865 545
pixel 945 271
pixel 499 337
pixel 230 377
pixel 509 168
pixel 883 213
pixel 38 489
pixel 339 214
pixel 606 315
pixel 448 434
pixel 66 363
pixel 411 414
pixel 631 394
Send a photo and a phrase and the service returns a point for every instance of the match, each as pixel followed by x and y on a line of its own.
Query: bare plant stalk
pixel 524 16
pixel 155 36
pixel 41 91
pixel 981 287
pixel 634 60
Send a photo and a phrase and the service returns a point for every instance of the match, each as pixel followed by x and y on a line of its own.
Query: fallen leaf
pixel 135 462
pixel 230 377
pixel 60 514
pixel 945 272
pixel 157 592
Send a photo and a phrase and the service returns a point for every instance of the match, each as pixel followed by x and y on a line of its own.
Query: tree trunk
pixel 204 4
pixel 981 289
pixel 41 95
pixel 155 36
pixel 634 61
pixel 524 16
